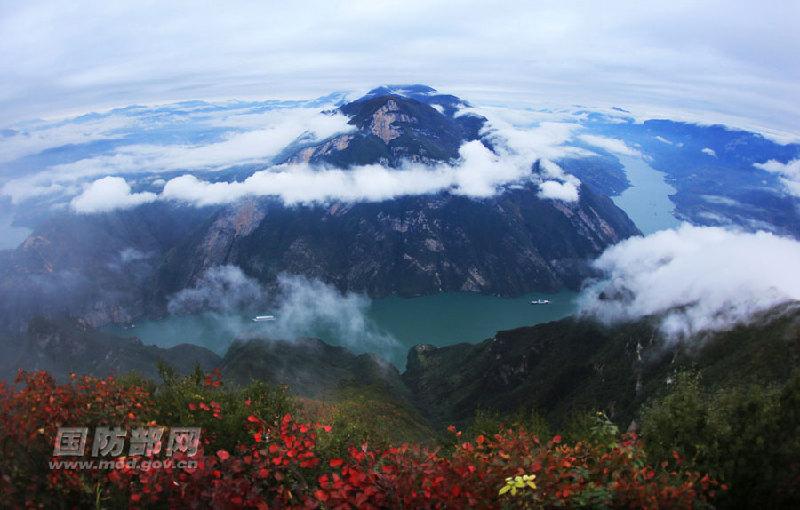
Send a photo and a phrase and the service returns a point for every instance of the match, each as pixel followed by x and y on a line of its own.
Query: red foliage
pixel 30 417
pixel 283 466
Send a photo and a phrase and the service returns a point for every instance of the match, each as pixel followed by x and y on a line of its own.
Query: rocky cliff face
pixel 506 245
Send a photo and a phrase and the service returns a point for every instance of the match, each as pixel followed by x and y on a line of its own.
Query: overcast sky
pixel 737 58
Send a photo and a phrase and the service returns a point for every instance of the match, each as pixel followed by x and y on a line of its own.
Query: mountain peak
pixel 397 123
pixel 407 90
pixel 447 104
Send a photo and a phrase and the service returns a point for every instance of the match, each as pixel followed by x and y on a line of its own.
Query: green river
pixel 439 319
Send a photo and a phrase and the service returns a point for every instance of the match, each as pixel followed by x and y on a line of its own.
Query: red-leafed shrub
pixel 256 455
pixel 29 418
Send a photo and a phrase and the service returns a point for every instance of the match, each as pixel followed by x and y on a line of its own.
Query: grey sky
pixel 736 58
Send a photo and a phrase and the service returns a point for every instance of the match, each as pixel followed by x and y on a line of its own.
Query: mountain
pixel 310 367
pixel 509 244
pixel 577 364
pixel 506 245
pixel 317 373
pixel 397 124
pixel 99 267
pixel 63 346
pixel 325 375
pixel 123 265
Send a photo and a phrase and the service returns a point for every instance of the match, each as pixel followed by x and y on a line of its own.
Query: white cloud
pixel 269 133
pixel 694 278
pixel 306 306
pixel 564 191
pixel 35 137
pixel 558 185
pixel 107 194
pixel 789 172
pixel 663 140
pixel 717 199
pixel 235 148
pixel 613 145
pixel 479 173
pixel 303 307
pixel 519 138
pixel 128 255
pixel 709 152
pixel 223 289
pixel 529 133
pixel 20 190
pixel 532 135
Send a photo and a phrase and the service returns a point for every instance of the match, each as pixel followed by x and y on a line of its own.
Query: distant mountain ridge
pixel 713 169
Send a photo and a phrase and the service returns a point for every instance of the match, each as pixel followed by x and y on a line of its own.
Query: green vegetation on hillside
pixel 747 435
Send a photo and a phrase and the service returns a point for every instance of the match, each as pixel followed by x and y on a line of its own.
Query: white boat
pixel 540 302
pixel 263 318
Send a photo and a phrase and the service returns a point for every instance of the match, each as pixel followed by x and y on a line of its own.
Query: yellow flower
pixel 514 484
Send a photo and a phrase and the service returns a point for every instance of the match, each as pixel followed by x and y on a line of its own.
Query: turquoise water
pixel 439 319
pixel 647 201
pixel 448 318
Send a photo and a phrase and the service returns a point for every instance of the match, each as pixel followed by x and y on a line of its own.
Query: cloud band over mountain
pixel 479 173
pixel 694 278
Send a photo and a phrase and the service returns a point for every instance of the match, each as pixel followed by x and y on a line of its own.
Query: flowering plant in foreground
pixel 283 462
